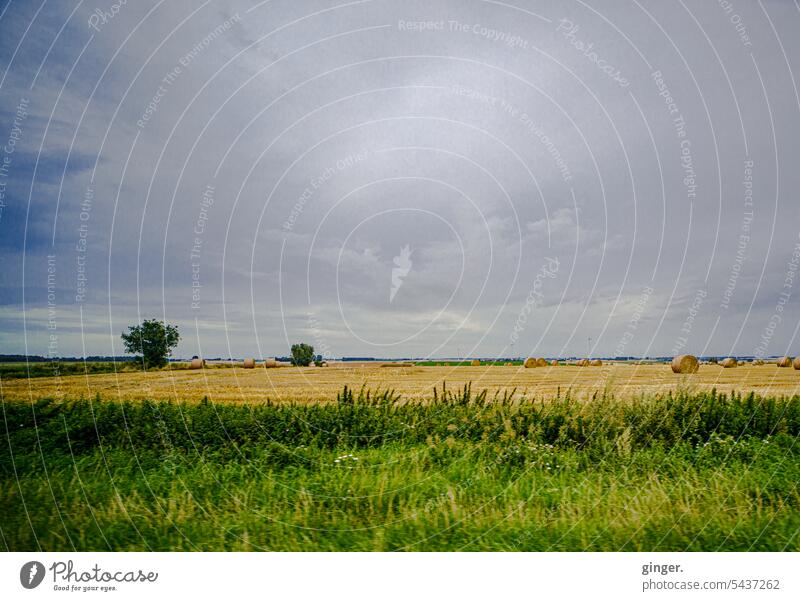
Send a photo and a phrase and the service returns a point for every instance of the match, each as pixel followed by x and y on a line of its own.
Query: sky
pixel 415 179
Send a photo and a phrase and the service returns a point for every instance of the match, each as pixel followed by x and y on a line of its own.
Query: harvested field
pixel 314 384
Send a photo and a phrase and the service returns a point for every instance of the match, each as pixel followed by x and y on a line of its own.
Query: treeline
pixel 41 359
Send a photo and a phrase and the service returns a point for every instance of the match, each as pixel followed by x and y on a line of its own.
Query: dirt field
pixel 319 384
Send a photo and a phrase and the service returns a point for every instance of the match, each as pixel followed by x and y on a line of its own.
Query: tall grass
pixel 374 472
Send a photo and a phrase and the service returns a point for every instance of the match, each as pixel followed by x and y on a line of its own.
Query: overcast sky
pixel 401 179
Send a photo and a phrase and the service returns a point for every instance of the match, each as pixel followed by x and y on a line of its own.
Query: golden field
pixel 238 385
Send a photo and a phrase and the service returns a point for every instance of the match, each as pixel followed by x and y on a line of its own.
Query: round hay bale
pixel 685 364
pixel 583 363
pixel 197 363
pixel 541 362
pixel 796 363
pixel 268 363
pixel 554 363
pixel 249 363
pixel 475 363
pixel 758 362
pixel 729 362
pixel 785 362
pixel 596 363
pixel 530 362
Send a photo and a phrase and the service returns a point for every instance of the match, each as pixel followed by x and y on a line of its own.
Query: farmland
pixel 234 384
pixel 290 459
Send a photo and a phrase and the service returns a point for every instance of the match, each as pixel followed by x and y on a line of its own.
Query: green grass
pixel 49 369
pixel 701 472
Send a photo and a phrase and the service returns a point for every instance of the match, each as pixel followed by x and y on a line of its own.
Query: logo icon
pixel 31 574
pixel 402 266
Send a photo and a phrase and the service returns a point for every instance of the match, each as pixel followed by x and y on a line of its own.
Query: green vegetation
pixel 699 472
pixel 153 340
pixel 49 369
pixel 302 354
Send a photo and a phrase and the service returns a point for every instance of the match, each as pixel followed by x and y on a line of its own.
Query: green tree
pixel 152 341
pixel 302 354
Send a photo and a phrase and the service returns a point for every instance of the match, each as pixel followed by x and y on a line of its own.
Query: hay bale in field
pixel 249 363
pixel 796 363
pixel 785 362
pixel 554 363
pixel 268 363
pixel 197 363
pixel 530 362
pixel 596 363
pixel 685 364
pixel 758 362
pixel 729 362
pixel 475 363
pixel 541 362
pixel 583 363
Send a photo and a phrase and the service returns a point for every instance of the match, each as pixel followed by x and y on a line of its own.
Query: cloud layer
pixel 253 173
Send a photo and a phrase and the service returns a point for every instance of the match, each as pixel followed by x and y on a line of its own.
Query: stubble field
pixel 294 384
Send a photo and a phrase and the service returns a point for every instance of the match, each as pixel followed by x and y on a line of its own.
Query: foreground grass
pixel 463 472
